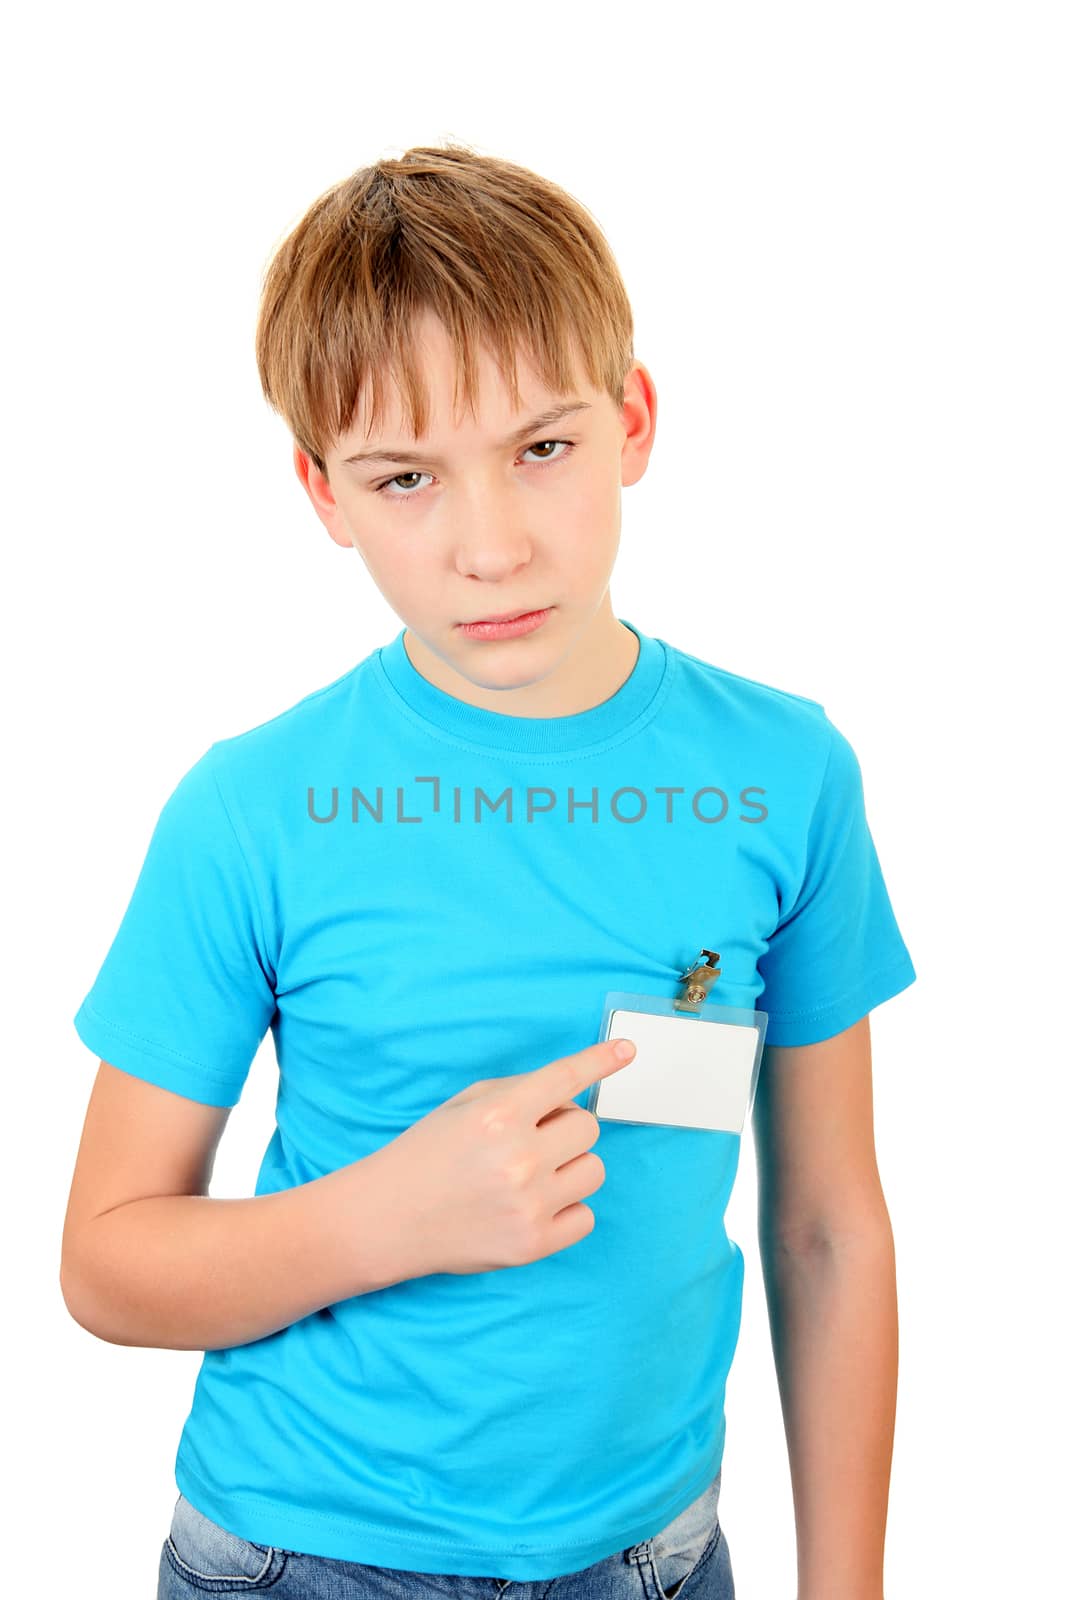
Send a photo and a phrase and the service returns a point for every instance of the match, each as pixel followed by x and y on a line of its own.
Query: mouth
pixel 513 625
pixel 505 616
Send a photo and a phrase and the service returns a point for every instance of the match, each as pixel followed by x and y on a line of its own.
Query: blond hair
pixel 504 257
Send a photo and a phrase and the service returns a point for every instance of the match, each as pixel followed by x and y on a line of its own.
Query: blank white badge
pixel 689 1072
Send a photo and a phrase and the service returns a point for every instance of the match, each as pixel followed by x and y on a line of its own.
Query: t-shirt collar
pixel 498 730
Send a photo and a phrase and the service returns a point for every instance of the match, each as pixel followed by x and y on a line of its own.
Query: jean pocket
pixel 216 1561
pixel 684 1544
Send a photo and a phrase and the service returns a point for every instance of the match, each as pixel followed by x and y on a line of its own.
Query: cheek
pixel 406 578
pixel 597 503
pixel 592 530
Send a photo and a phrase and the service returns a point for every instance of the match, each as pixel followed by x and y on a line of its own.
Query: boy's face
pixel 482 519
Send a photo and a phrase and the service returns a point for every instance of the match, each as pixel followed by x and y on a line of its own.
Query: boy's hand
pixel 495 1177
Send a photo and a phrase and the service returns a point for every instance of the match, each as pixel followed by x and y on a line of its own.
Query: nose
pixel 493 543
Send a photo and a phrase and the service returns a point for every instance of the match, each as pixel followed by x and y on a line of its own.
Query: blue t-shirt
pixel 413 893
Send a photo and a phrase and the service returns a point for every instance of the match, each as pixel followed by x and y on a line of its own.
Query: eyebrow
pixel 564 409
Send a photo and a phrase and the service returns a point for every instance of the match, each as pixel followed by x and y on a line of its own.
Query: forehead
pixel 439 374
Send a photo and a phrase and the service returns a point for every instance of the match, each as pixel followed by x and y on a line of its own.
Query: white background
pixel 842 232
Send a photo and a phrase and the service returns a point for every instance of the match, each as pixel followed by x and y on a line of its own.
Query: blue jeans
pixel 689 1557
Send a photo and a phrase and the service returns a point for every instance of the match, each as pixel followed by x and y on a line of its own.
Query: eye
pixel 543 461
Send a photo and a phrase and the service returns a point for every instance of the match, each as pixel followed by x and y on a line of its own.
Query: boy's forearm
pixel 190 1272
pixel 833 1321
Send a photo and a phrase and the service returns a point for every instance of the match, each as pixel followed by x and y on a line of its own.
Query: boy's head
pixel 431 307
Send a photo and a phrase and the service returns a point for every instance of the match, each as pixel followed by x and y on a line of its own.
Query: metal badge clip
pixel 698 979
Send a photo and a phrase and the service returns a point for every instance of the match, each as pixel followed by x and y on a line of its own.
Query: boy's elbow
pixel 71 1298
pixel 78 1303
pixel 84 1308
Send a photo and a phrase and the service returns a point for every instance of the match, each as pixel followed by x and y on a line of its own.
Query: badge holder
pixel 693 1068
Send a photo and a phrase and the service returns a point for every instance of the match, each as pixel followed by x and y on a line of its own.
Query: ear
pixel 638 422
pixel 320 494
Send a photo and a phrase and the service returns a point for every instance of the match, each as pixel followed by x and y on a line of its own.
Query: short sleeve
pixel 185 994
pixel 837 951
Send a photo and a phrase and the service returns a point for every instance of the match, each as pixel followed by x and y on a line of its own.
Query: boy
pixel 423 1352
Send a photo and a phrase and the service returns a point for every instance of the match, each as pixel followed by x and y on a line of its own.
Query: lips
pixel 506 616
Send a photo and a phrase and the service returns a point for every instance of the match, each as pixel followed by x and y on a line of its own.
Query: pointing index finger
pixel 561 1080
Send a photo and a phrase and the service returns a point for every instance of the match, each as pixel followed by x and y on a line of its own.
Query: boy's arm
pixel 189 1272
pixel 826 1247
pixel 149 1258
